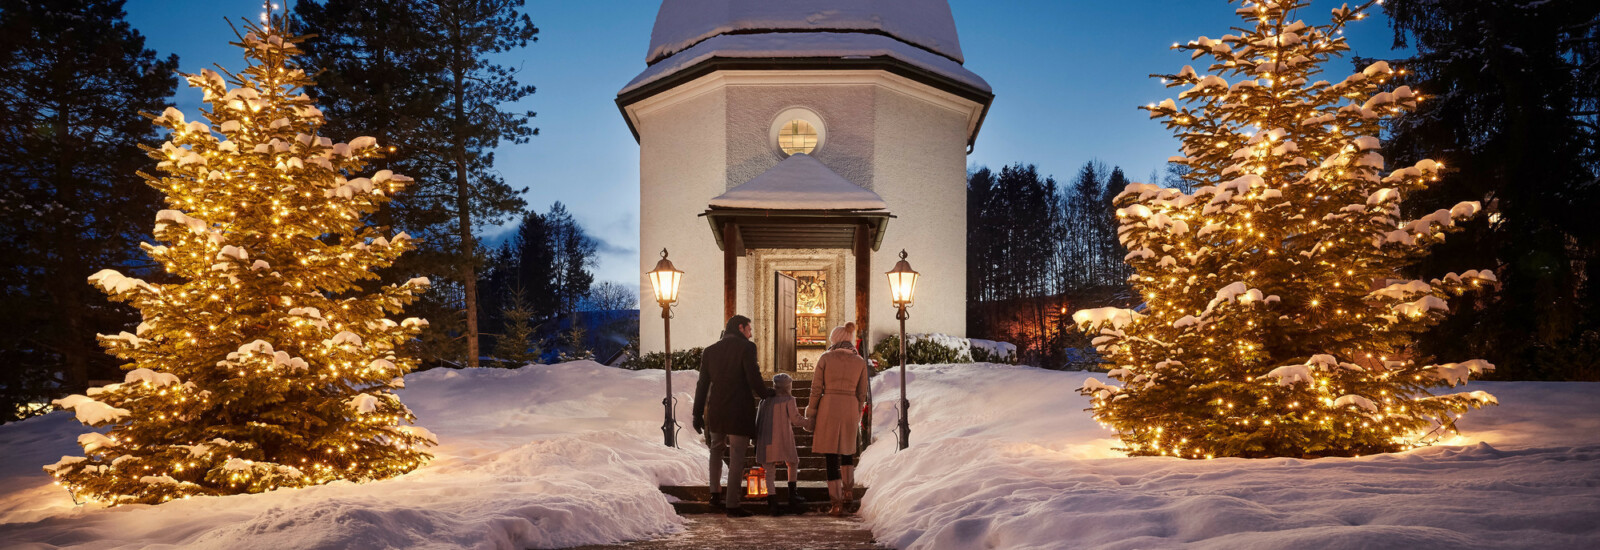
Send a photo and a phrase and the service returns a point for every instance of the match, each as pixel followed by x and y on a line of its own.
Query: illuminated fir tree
pixel 1276 318
pixel 263 365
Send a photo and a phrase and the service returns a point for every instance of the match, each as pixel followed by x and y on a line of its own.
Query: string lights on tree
pixel 1276 318
pixel 265 363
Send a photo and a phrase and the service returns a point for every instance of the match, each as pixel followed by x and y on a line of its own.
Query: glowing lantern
pixel 665 278
pixel 755 482
pixel 902 282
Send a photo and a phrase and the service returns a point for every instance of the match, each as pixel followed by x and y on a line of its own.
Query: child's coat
pixel 775 425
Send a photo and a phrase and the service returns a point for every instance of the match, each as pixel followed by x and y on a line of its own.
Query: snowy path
pixel 815 531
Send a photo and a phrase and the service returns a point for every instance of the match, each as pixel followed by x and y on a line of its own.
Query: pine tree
pixel 72 73
pixel 382 76
pixel 573 252
pixel 264 365
pixel 575 340
pixel 516 335
pixel 448 117
pixel 471 31
pixel 1110 252
pixel 1514 105
pixel 1276 323
pixel 535 260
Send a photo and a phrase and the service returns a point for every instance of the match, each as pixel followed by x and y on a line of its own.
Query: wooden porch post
pixel 863 252
pixel 731 249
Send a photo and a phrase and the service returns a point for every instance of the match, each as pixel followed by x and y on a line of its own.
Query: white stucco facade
pixel 900 136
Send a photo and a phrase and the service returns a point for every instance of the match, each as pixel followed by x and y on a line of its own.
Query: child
pixel 775 425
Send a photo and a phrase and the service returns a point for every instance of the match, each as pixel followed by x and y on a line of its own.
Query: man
pixel 725 406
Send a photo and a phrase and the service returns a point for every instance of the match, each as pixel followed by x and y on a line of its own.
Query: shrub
pixel 923 350
pixel 688 359
pixel 988 351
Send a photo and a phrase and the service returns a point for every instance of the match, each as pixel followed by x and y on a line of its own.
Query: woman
pixel 838 387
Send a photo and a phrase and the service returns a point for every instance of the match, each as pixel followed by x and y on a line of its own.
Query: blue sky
pixel 1067 74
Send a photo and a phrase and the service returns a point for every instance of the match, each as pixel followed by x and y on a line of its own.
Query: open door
pixel 784 294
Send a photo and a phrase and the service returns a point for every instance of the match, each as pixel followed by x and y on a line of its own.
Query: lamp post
pixel 665 278
pixel 902 285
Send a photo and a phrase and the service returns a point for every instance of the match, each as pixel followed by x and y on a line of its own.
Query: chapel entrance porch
pixel 805 273
pixel 804 236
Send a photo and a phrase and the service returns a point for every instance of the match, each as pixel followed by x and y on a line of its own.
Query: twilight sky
pixel 1067 75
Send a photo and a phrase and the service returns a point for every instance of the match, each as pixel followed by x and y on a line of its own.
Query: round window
pixel 797 130
pixel 797 136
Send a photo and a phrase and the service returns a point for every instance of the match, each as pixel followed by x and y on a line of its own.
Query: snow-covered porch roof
pixel 799 203
pixel 800 182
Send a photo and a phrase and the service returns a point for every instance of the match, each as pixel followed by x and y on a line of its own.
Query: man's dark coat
pixel 730 383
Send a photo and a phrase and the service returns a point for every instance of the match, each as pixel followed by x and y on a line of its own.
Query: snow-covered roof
pixel 926 24
pixel 800 182
pixel 807 45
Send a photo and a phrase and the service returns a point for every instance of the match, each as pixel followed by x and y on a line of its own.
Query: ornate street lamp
pixel 902 285
pixel 665 278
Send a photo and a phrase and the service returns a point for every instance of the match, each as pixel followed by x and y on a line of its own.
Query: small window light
pixel 797 136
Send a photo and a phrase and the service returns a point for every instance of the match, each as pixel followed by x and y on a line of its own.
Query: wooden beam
pixel 732 248
pixel 863 252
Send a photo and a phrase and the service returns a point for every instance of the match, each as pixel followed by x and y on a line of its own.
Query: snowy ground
pixel 1005 457
pixel 544 456
pixel 1002 457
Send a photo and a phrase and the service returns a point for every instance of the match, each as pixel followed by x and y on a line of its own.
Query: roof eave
pixel 883 63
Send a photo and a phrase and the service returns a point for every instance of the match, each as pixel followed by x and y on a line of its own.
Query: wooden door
pixel 784 295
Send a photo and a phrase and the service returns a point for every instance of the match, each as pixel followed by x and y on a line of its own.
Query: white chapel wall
pixel 920 170
pixel 846 112
pixel 888 134
pixel 681 166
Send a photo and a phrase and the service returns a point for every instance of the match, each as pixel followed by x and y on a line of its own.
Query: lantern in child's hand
pixel 755 481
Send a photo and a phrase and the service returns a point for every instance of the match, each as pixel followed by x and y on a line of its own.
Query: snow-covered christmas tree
pixel 1276 319
pixel 263 364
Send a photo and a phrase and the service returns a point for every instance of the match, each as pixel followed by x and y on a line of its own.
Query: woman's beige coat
pixel 838 388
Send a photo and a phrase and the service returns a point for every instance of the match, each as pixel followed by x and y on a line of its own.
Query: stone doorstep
pixel 815 531
pixel 693 499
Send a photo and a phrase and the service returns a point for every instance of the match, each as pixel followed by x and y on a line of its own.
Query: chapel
pixel 788 152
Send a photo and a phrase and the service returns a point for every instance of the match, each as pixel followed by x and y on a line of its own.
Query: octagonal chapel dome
pixel 926 24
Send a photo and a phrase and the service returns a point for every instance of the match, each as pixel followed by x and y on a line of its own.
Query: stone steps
pixel 812 472
pixel 694 500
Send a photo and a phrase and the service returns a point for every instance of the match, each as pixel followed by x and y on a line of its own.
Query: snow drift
pixel 1005 457
pixel 542 456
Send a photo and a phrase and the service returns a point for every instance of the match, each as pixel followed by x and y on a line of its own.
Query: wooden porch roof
pixel 760 228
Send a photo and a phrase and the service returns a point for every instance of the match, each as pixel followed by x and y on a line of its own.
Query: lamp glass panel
pixel 666 285
pixel 901 286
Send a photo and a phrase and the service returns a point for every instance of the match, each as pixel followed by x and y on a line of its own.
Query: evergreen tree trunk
pixel 468 246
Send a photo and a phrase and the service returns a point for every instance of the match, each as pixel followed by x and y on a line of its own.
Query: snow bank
pixel 542 456
pixel 1005 457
